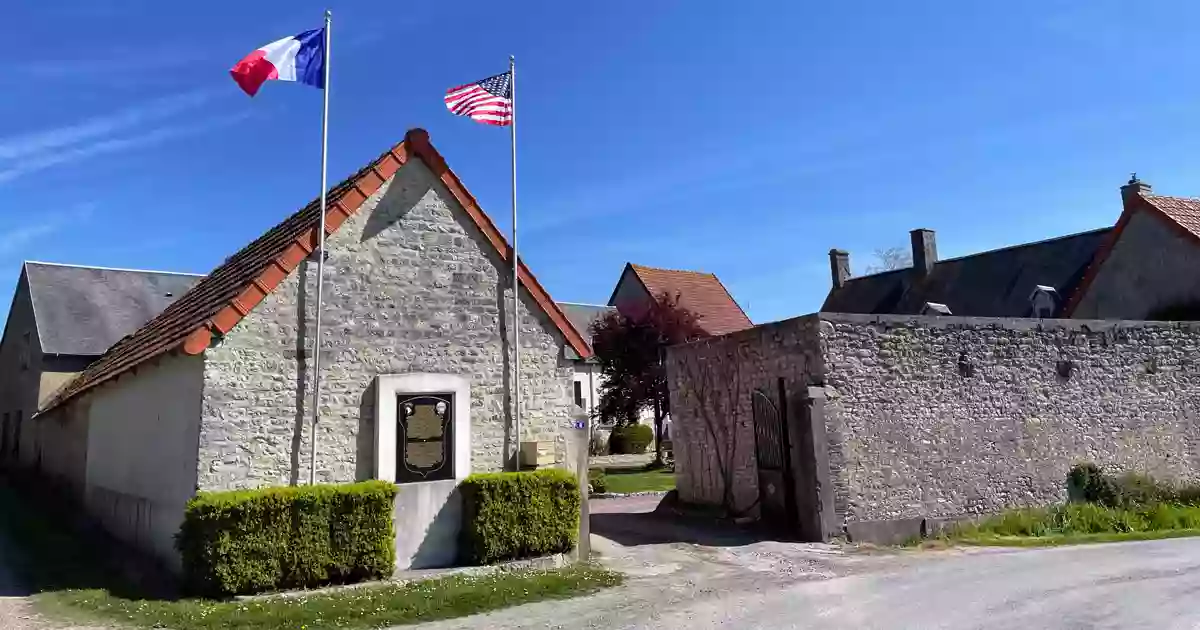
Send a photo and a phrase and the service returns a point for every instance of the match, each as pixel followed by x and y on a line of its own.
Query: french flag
pixel 296 58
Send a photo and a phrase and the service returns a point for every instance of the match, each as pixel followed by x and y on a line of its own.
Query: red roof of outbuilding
pixel 219 301
pixel 1181 214
pixel 699 292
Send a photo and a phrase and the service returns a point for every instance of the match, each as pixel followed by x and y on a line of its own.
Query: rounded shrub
pixel 632 439
pixel 597 481
pixel 1086 482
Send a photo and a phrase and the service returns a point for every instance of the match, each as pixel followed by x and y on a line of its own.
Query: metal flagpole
pixel 512 128
pixel 316 400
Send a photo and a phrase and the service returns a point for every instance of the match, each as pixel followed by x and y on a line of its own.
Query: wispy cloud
pixel 14 239
pixel 31 144
pixel 133 63
pixel 138 126
pixel 111 145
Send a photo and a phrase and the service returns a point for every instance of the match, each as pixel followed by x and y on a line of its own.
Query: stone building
pixel 62 318
pixel 881 425
pixel 1141 268
pixel 215 392
pixel 699 292
pixel 587 380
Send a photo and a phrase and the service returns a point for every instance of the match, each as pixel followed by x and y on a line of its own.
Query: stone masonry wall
pixel 946 416
pixel 949 416
pixel 711 418
pixel 411 286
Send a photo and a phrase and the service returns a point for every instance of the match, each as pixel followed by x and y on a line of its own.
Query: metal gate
pixel 773 450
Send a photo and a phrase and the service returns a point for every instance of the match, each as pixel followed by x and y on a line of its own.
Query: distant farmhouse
pixel 1144 267
pixel 955 387
pixel 700 292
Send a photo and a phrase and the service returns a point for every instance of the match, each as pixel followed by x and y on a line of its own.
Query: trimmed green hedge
pixel 249 541
pixel 597 480
pixel 631 439
pixel 508 516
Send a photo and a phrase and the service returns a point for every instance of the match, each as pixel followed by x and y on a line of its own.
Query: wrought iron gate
pixel 773 451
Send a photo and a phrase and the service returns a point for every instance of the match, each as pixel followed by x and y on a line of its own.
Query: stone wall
pixel 411 286
pixel 946 416
pixel 711 419
pixel 20 367
pixel 1150 267
pixel 938 417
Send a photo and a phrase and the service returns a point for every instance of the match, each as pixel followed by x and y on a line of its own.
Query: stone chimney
pixel 1134 188
pixel 839 267
pixel 924 251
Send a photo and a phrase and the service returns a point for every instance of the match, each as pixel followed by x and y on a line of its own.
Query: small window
pixel 424 437
pixel 17 435
pixel 25 342
pixel 579 395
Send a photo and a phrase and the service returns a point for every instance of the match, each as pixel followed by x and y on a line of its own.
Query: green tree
pixel 631 348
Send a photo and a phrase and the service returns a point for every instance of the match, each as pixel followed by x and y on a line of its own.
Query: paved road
pixel 726 583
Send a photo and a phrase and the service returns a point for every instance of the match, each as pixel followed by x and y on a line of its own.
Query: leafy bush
pixel 597 481
pixel 632 439
pixel 1139 489
pixel 508 516
pixel 1087 482
pixel 249 541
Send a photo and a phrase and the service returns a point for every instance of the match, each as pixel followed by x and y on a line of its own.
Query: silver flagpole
pixel 512 128
pixel 316 411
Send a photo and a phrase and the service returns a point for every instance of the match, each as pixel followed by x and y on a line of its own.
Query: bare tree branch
pixel 889 259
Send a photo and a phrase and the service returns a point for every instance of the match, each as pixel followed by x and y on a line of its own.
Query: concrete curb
pixel 556 561
pixel 621 495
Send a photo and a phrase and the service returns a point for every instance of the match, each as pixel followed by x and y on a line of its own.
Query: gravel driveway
pixel 714 580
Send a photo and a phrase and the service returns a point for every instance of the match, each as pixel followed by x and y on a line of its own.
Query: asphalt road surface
pixel 683 580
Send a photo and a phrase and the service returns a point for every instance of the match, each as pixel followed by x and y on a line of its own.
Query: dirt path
pixel 670 565
pixel 16 612
pixel 16 606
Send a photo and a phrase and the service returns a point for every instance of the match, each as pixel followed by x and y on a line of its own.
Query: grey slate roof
pixel 85 310
pixel 582 316
pixel 997 283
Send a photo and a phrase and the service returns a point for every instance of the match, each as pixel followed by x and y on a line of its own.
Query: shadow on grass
pixel 48 545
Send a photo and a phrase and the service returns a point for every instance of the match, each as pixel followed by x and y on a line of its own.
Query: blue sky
pixel 744 139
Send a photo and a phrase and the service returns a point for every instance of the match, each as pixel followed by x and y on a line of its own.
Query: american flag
pixel 488 101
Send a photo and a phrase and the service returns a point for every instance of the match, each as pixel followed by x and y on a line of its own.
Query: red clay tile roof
pixel 218 302
pixel 1180 213
pixel 701 293
pixel 1182 210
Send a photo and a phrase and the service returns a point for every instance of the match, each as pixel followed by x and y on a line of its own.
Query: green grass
pixel 74 581
pixel 626 480
pixel 1077 523
pixel 1055 540
pixel 361 607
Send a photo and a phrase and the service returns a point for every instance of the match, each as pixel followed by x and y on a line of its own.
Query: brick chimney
pixel 924 251
pixel 839 267
pixel 1134 188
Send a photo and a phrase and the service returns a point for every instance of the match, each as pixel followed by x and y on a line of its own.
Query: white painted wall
pixel 141 452
pixel 589 379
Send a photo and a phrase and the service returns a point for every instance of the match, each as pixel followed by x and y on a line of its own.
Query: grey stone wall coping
pixel 1009 323
pixel 621 495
